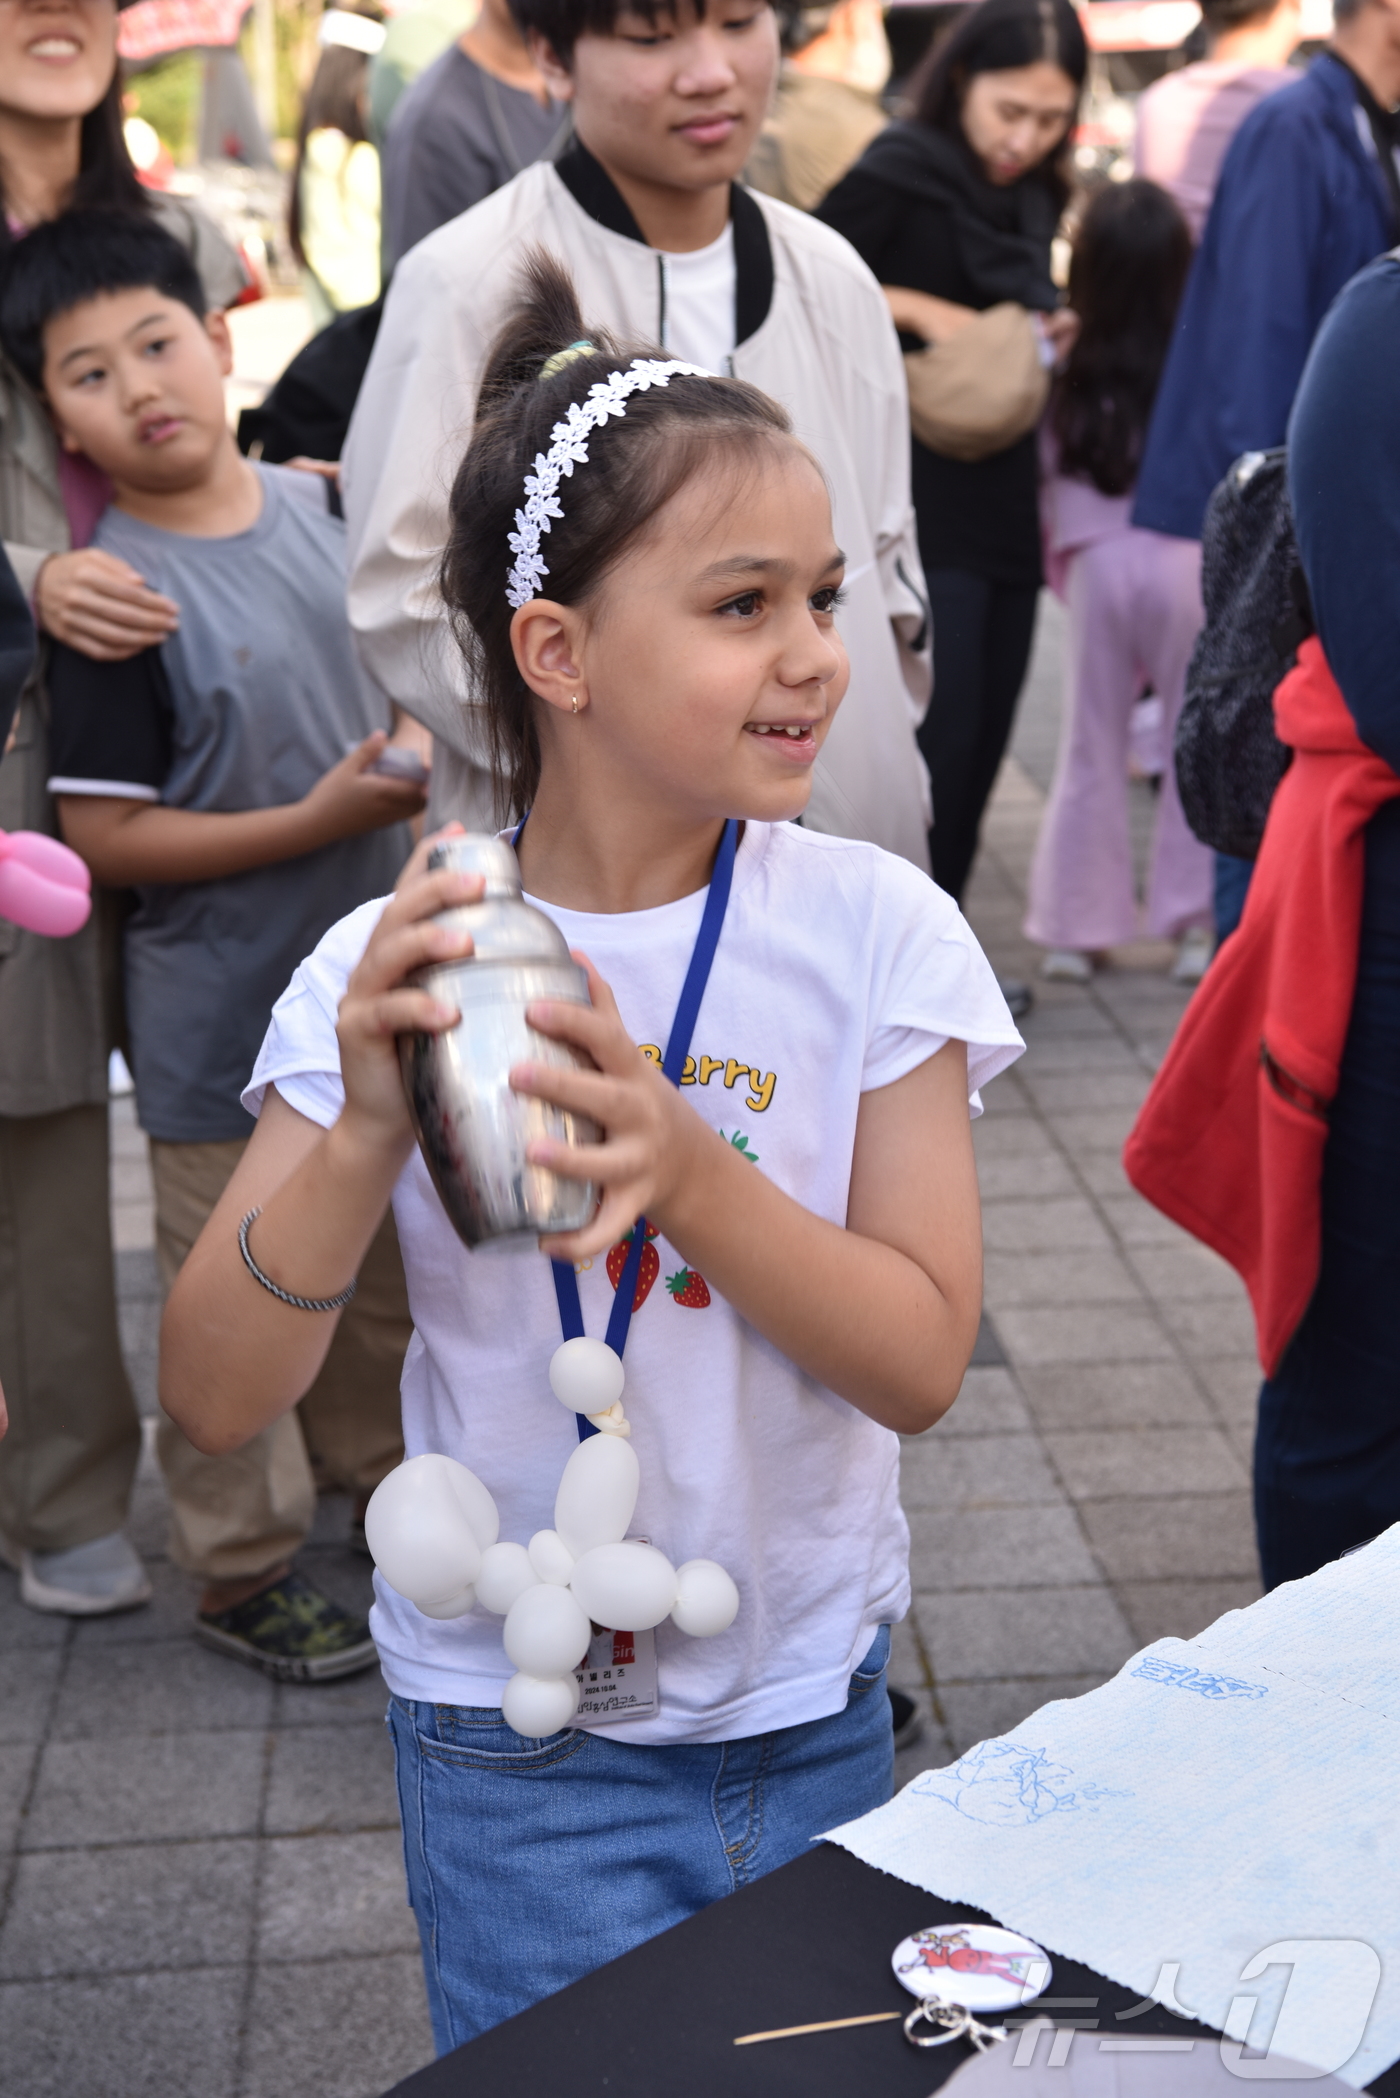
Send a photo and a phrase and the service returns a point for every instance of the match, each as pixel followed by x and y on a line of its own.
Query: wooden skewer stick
pixel 791 2032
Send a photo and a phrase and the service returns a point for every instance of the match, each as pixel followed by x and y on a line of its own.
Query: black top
pixel 979 515
pixel 111 725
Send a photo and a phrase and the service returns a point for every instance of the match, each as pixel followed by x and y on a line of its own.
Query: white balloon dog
pixel 433 1530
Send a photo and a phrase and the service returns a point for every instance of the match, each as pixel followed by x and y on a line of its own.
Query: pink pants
pixel 1134 612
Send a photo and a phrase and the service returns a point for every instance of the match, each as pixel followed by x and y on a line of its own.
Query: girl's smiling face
pixel 707 665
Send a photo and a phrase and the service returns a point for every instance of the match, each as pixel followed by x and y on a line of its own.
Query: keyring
pixel 957 1969
pixel 958 2022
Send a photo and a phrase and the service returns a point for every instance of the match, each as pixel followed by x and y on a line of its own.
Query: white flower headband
pixel 569 447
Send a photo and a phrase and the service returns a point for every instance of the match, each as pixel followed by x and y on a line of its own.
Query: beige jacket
pixel 57 996
pixel 825 347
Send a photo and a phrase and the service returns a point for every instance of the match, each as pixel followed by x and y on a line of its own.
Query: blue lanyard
pixel 672 1064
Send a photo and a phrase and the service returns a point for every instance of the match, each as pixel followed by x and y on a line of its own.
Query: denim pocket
pixel 871 1672
pixel 479 1737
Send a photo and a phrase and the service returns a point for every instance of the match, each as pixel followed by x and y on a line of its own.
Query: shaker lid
pixel 479 853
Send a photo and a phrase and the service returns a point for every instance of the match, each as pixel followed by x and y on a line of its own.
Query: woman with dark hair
pixel 1134 600
pixel 334 209
pixel 954 211
pixel 67 1464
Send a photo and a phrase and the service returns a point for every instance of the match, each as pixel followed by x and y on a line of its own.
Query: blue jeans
pixel 530 1863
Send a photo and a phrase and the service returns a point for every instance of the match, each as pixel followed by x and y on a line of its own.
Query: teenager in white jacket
pixel 663 245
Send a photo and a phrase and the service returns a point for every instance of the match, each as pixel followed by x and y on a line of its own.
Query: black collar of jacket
pixel 594 191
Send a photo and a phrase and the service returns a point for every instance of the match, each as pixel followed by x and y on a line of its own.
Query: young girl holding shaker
pixel 658 695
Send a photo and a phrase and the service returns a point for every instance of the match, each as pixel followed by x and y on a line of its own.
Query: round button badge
pixel 977 1965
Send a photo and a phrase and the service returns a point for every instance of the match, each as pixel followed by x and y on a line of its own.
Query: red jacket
pixel 1230 1139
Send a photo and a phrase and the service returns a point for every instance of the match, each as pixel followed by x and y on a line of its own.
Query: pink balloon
pixel 44 886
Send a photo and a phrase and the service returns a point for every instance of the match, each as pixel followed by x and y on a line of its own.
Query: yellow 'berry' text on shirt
pixel 702 1069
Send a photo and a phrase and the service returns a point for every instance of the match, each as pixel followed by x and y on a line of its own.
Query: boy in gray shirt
pixel 211 776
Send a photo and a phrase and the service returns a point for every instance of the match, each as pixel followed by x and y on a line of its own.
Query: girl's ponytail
pixel 544 358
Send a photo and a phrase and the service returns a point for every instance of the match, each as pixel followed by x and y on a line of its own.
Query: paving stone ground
pixel 201 1893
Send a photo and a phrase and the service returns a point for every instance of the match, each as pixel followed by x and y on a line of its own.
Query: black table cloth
pixel 810 1941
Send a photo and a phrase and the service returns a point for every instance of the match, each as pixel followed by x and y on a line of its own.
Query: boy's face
pixel 135 380
pixel 675 102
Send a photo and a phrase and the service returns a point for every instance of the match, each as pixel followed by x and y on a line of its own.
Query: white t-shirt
pixel 840 969
pixel 699 317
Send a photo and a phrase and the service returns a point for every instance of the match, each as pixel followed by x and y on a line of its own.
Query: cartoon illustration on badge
pixel 954 1949
pixel 646 1274
pixel 689 1289
pixel 1005 1784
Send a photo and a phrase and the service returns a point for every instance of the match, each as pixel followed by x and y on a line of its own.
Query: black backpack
pixel 1228 759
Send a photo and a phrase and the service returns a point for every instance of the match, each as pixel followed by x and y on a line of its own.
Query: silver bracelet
pixel 285 1295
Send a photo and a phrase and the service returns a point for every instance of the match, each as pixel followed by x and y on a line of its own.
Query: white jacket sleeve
pixel 884 406
pixel 406 440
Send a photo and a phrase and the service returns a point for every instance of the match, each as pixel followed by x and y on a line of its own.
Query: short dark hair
pixel 562 22
pixel 994 37
pixel 80 255
pixel 636 463
pixel 1219 15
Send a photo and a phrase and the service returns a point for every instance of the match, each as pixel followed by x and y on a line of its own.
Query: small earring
pixel 575 702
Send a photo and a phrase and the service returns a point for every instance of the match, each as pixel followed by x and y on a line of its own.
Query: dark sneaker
pixel 908 1724
pixel 291 1631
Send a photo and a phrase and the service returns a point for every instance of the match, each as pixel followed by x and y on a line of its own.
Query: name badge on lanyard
pixel 617 1680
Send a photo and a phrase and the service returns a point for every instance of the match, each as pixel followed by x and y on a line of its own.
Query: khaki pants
pixel 240 1515
pixel 67 1464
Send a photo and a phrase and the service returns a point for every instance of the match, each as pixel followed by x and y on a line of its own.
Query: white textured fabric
pixel 839 970
pixel 700 303
pixel 1223 1799
pixel 827 351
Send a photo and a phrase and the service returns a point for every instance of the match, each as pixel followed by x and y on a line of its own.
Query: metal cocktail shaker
pixel 472 1129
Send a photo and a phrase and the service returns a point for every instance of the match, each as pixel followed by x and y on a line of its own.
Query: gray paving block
pixel 953 1548
pixel 1135 1222
pixel 20 1626
pixel 336 2029
pixel 1011 1136
pixel 362 1696
pixel 906 1669
pixel 137 2036
pixel 27 1678
pixel 1181 1609
pixel 975 1471
pixel 1115 1395
pixel 17 1762
pixel 1102 1172
pixel 1080 1333
pixel 980 1711
pixel 148 1518
pixel 1055 1277
pixel 994 1632
pixel 126 1909
pixel 168 1615
pixel 331 1779
pixel 988 1404
pixel 1060 1092
pixel 1031 1176
pixel 1205 1537
pixel 159 1687
pixel 138 1788
pixel 1084 1131
pixel 1171 1273
pixel 1146 1461
pixel 1072 1019
pixel 1233 1382
pixel 1064 1224
pixel 1211 1329
pixel 1056 1053
pixel 324 1896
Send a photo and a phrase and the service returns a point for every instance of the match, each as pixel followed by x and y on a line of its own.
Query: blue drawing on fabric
pixel 1005 1784
pixel 1203 1681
